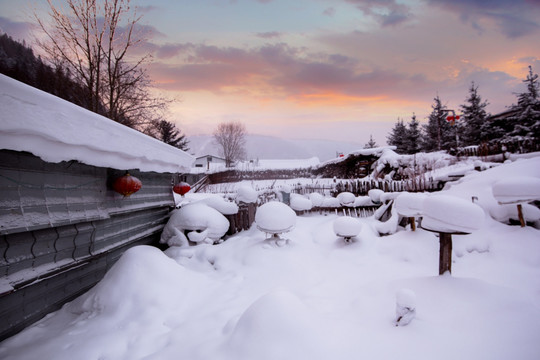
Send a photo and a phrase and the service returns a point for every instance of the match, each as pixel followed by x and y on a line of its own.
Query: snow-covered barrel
pixel 275 218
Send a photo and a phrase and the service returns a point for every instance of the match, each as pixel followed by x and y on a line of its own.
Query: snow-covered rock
pixel 194 217
pixel 346 199
pixel 300 203
pixel 410 204
pixel 449 214
pixel 275 218
pixel 347 227
pixel 517 190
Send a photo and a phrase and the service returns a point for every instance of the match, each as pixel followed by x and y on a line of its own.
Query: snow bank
pixel 74 133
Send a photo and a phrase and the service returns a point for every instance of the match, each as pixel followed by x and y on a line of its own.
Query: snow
pixel 319 298
pixel 347 226
pixel 410 204
pixel 220 204
pixel 275 218
pixel 443 213
pixel 300 203
pixel 316 199
pixel 517 190
pixel 346 198
pixel 200 217
pixel 375 195
pixel 246 194
pixel 56 130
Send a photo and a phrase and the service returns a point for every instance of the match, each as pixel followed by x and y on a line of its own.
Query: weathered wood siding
pixel 62 227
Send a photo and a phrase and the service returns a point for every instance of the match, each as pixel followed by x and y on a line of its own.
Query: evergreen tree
pixel 473 118
pixel 397 137
pixel 371 143
pixel 170 134
pixel 413 136
pixel 438 133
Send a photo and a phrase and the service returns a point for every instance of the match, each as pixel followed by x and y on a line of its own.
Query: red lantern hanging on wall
pixel 127 185
pixel 181 188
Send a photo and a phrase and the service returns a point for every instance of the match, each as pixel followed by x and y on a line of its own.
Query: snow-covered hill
pixel 270 147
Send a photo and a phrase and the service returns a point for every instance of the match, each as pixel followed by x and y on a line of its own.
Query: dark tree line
pixel 518 129
pixel 17 60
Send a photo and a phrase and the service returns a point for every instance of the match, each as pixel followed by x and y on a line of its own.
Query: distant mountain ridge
pixel 271 147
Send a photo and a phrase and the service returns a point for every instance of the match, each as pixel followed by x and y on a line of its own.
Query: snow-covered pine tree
pixel 397 137
pixel 438 133
pixel 371 143
pixel 473 118
pixel 413 142
pixel 525 123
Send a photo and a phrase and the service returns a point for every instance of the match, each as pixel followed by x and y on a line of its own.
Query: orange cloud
pixel 331 99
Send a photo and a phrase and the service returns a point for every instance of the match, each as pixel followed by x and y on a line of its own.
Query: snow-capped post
pixel 517 190
pixel 448 215
pixel 275 218
pixel 127 185
pixel 347 227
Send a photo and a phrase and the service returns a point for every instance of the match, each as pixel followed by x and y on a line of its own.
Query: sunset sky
pixel 326 69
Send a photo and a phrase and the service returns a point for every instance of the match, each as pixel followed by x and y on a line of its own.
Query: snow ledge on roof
pixel 56 130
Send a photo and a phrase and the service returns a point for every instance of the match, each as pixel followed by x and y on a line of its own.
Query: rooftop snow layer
pixel 57 130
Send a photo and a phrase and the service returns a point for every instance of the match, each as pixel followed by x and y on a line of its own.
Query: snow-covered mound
pixel 300 203
pixel 346 198
pixel 517 190
pixel 246 194
pixel 347 227
pixel 410 204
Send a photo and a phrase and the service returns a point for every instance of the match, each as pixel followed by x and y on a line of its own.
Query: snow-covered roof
pixel 57 130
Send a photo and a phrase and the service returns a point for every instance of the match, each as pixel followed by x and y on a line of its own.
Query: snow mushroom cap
pixel 316 199
pixel 300 203
pixel 449 214
pixel 347 226
pixel 346 198
pixel 375 195
pixel 247 194
pixel 275 217
pixel 516 190
pixel 410 204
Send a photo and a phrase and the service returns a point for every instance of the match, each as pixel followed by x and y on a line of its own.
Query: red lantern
pixel 181 188
pixel 127 185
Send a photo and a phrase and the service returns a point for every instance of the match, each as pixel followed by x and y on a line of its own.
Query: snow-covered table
pixel 517 190
pixel 448 215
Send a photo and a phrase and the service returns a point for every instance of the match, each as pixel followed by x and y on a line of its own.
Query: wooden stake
pixel 520 215
pixel 413 223
pixel 445 253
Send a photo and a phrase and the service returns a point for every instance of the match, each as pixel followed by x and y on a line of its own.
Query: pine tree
pixel 438 133
pixel 473 118
pixel 170 134
pixel 397 137
pixel 413 136
pixel 371 143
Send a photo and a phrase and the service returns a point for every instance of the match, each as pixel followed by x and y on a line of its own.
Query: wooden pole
pixel 413 223
pixel 445 253
pixel 520 215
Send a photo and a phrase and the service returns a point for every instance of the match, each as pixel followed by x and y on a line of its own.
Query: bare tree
pixel 231 137
pixel 93 40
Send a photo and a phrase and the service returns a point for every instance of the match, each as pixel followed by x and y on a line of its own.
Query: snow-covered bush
pixel 207 223
pixel 246 194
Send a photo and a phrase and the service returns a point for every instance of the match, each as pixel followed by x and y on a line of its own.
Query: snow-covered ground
pixel 315 296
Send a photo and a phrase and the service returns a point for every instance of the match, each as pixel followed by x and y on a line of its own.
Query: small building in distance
pixel 62 226
pixel 209 162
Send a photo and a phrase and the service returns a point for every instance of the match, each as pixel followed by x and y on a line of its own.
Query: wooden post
pixel 445 253
pixel 412 220
pixel 520 215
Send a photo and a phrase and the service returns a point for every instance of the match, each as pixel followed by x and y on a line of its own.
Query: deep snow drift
pixel 317 297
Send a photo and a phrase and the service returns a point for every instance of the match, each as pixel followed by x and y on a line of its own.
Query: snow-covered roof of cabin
pixel 378 151
pixel 57 130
